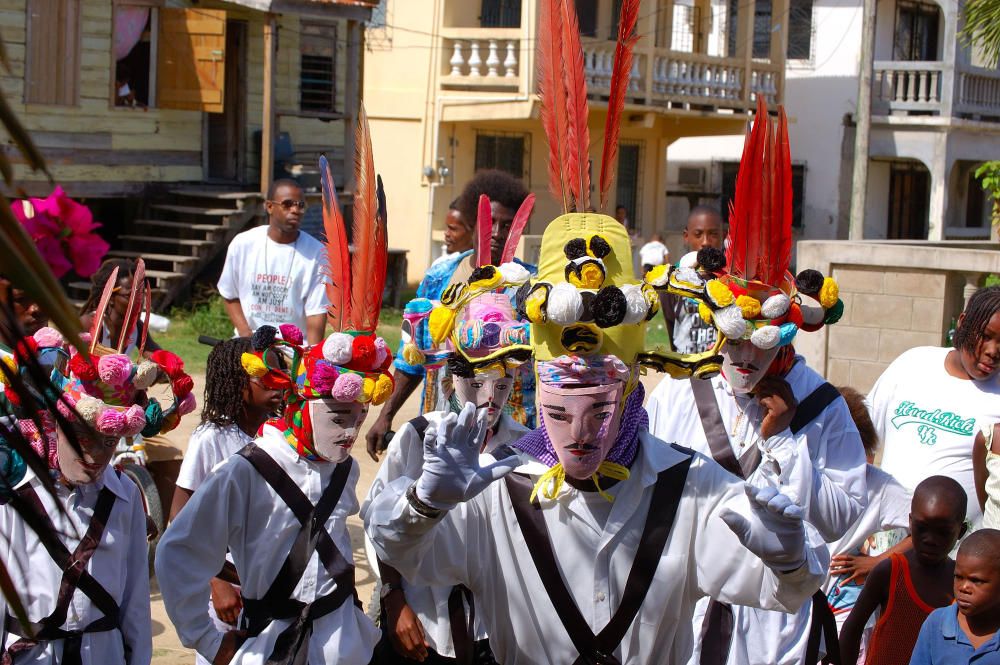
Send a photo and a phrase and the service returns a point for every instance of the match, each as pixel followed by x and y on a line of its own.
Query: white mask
pixel 335 427
pixel 744 365
pixel 489 394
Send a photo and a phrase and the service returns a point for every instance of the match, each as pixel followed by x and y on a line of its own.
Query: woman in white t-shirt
pixel 235 407
pixel 928 403
pixel 653 253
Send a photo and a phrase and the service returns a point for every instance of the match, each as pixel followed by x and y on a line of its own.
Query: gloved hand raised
pixel 451 473
pixel 774 531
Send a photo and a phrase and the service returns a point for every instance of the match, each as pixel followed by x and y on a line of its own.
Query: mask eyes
pixel 558 417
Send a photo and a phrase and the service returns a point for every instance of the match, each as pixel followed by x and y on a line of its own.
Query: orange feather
pixel 338 255
pixel 552 91
pixel 369 236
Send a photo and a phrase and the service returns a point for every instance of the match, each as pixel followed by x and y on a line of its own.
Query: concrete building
pixel 450 87
pixel 935 118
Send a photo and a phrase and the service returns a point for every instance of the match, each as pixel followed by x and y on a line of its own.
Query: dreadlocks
pixel 225 381
pixel 126 267
pixel 983 304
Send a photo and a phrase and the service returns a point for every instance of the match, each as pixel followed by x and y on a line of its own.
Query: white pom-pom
pixel 730 322
pixel 337 348
pixel 514 273
pixel 687 276
pixel 89 408
pixel 812 314
pixel 636 306
pixel 766 337
pixel 775 307
pixel 565 304
pixel 689 260
pixel 145 374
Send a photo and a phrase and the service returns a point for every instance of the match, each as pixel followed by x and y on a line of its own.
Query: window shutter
pixel 191 60
pixel 52 68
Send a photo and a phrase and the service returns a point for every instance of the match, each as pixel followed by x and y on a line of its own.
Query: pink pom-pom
pixel 111 422
pixel 381 351
pixel 48 337
pixel 187 404
pixel 115 369
pixel 290 333
pixel 85 337
pixel 347 387
pixel 135 420
pixel 324 375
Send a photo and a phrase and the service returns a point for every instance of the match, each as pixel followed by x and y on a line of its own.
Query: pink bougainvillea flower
pixel 64 232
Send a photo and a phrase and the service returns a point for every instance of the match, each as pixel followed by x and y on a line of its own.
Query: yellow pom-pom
pixel 719 293
pixel 591 276
pixel 253 365
pixel 367 390
pixel 829 293
pixel 488 283
pixel 383 388
pixel 11 368
pixel 453 294
pixel 749 305
pixel 412 355
pixel 657 275
pixel 652 301
pixel 705 312
pixel 535 304
pixel 440 323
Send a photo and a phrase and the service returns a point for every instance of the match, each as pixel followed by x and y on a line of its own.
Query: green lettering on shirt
pixel 926 420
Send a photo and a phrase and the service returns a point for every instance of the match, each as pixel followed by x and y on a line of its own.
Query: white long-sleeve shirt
pixel 120 564
pixel 405 458
pixel 236 508
pixel 480 544
pixel 822 469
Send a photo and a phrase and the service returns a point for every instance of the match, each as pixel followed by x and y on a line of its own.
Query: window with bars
pixel 52 52
pixel 586 12
pixel 729 173
pixel 505 151
pixel 916 34
pixel 799 30
pixel 628 184
pixel 500 14
pixel 318 69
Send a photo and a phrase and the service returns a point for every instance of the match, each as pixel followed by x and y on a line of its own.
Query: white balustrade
pixel 510 62
pixel 457 60
pixel 493 60
pixel 707 80
pixel 908 86
pixel 467 63
pixel 979 91
pixel 475 62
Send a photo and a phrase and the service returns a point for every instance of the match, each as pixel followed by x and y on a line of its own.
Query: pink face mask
pixel 488 394
pixel 335 427
pixel 744 365
pixel 582 424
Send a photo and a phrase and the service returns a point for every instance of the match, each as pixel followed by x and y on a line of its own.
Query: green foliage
pixel 992 280
pixel 982 27
pixel 989 177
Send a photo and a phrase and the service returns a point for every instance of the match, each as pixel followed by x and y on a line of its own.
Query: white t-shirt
pixel 276 283
pixel 209 445
pixel 926 420
pixel 653 254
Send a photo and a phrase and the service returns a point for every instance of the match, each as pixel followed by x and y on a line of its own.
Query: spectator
pixel 653 253
pixel 273 274
pixel 927 403
pixel 967 632
pixel 621 214
pixel 458 234
pixel 688 332
pixel 986 467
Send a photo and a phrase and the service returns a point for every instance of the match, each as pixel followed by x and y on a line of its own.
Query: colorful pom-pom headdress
pixel 748 294
pixel 473 327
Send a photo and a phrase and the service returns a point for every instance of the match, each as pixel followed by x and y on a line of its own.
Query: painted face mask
pixel 744 364
pixel 335 427
pixel 487 393
pixel 582 424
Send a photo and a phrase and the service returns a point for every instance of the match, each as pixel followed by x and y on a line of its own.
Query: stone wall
pixel 897 295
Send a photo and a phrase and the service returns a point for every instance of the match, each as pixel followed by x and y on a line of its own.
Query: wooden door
pixel 225 141
pixel 191 60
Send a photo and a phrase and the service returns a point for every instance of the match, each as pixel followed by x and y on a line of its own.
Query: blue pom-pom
pixel 788 332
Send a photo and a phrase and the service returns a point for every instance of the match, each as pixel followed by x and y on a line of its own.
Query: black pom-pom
pixel 459 366
pixel 599 247
pixel 575 248
pixel 519 297
pixel 588 306
pixel 809 281
pixel 609 307
pixel 482 272
pixel 263 337
pixel 711 259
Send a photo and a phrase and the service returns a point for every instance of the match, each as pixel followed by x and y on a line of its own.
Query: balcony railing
pixel 903 86
pixel 485 59
pixel 978 92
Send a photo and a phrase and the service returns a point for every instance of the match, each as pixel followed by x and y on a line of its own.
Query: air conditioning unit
pixel 691 176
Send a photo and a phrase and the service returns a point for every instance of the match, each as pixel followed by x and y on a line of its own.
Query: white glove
pixel 451 473
pixel 774 532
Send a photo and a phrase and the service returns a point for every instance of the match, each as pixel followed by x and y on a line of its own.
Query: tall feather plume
pixel 620 74
pixel 338 255
pixel 147 309
pixel 484 231
pixel 134 308
pixel 780 238
pixel 552 91
pixel 517 228
pixel 369 235
pixel 102 308
pixel 382 240
pixel 577 110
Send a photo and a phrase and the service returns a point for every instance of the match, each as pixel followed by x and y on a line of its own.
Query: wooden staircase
pixel 180 235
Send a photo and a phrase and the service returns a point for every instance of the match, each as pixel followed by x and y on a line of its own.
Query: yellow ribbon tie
pixel 550 482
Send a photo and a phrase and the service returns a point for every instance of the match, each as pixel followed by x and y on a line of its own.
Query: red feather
pixel 368 234
pixel 517 228
pixel 552 91
pixel 338 254
pixel 620 74
pixel 134 308
pixel 147 308
pixel 484 229
pixel 577 110
pixel 102 308
pixel 781 237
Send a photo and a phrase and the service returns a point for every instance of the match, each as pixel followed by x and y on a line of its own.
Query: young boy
pixel 688 332
pixel 967 632
pixel 909 586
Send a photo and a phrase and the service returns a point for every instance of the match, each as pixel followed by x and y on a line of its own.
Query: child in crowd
pixel 653 253
pixel 929 403
pixel 888 508
pixel 909 586
pixel 967 632
pixel 235 407
pixel 986 470
pixel 117 307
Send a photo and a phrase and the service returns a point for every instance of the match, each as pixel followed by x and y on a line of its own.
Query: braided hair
pixel 983 304
pixel 225 383
pixel 126 267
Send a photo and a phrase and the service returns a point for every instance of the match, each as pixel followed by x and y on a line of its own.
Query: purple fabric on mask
pixel 537 444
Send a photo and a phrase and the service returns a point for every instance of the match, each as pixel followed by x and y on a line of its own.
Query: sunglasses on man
pixel 288 204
